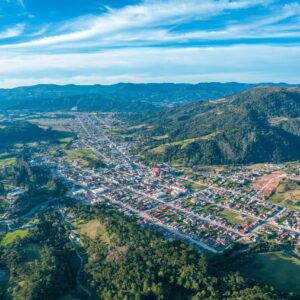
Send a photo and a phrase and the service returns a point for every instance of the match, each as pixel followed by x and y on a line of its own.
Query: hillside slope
pixel 258 125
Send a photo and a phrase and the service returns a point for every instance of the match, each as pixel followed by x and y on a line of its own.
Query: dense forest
pixel 43 264
pixel 87 102
pixel 127 261
pixel 118 97
pixel 258 125
pixel 131 262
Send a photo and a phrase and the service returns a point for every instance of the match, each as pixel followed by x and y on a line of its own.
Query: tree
pixel 2 189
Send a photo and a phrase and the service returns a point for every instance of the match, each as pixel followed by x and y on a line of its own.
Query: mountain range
pixel 261 124
pixel 117 97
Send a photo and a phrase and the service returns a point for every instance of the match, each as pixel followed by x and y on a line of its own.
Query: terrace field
pixel 276 269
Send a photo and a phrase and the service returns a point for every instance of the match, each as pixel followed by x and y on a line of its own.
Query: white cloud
pixel 14 31
pixel 40 31
pixel 132 20
pixel 241 63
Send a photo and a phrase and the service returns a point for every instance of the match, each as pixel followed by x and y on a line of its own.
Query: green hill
pixel 258 125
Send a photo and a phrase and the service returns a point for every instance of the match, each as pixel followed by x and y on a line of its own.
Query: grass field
pixel 162 148
pixel 194 185
pixel 85 156
pixel 277 120
pixel 182 143
pixel 86 151
pixel 231 217
pixel 77 222
pixel 204 137
pixel 210 136
pixel 287 194
pixel 276 269
pixel 65 140
pixel 11 236
pixel 177 163
pixel 141 126
pixel 82 153
pixel 158 150
pixel 160 137
pixel 92 229
pixel 7 161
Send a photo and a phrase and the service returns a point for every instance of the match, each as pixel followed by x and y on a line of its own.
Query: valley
pixel 83 168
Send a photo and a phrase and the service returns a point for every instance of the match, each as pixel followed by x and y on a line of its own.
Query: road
pixel 170 229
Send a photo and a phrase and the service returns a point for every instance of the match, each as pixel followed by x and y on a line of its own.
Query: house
pixel 74 237
pixel 156 172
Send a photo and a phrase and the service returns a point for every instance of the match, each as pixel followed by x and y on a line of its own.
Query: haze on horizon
pixel 111 41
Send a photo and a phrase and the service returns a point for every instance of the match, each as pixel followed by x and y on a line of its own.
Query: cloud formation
pixel 158 40
pixel 14 31
pixel 239 63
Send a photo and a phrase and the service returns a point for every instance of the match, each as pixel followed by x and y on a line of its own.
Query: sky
pixel 110 41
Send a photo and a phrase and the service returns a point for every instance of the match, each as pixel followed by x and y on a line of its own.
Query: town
pixel 210 210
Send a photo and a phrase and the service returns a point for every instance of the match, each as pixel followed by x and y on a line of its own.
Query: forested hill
pixel 258 125
pixel 118 97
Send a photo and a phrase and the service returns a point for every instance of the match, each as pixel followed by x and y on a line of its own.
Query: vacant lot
pixel 231 216
pixel 86 156
pixel 267 184
pixel 287 194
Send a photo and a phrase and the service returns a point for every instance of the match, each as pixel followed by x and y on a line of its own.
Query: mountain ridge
pixel 258 125
pixel 49 96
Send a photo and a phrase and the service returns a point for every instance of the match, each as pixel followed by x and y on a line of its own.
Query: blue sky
pixel 109 41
